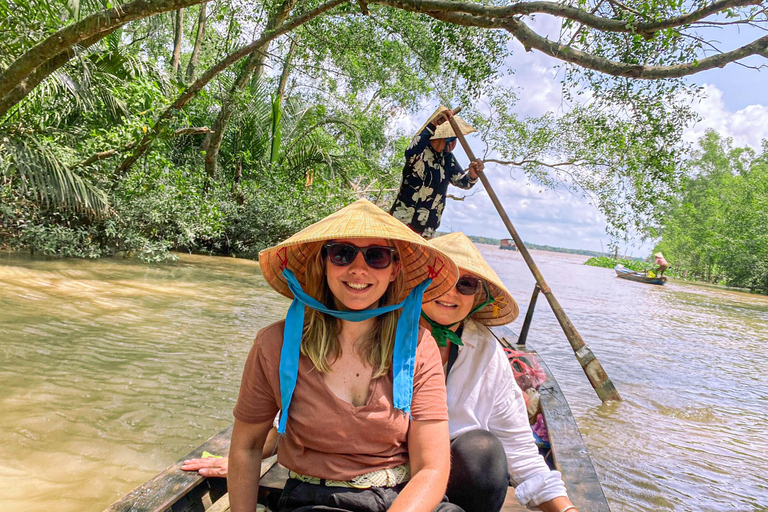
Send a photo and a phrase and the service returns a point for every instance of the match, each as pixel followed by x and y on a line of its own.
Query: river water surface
pixel 110 370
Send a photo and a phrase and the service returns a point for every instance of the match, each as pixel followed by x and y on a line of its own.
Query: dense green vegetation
pixel 608 262
pixel 223 127
pixel 717 230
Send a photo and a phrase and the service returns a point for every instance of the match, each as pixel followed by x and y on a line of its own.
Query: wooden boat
pixel 175 490
pixel 508 244
pixel 641 277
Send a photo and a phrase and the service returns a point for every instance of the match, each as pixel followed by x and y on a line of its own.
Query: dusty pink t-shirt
pixel 325 436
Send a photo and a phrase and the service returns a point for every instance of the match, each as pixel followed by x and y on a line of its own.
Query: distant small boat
pixel 507 244
pixel 641 277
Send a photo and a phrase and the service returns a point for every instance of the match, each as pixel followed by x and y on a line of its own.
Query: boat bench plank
pixel 569 451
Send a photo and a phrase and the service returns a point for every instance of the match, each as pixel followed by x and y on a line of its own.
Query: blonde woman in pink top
pixel 358 385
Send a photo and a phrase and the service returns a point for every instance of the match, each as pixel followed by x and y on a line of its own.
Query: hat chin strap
pixel 404 353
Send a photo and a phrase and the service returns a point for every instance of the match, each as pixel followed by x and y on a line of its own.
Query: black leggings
pixel 479 477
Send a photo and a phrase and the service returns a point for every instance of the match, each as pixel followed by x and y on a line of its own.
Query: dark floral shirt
pixel 426 176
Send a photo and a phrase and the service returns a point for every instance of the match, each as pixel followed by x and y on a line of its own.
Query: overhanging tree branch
pixel 565 12
pixel 530 40
pixel 94 27
pixel 21 91
pixel 38 62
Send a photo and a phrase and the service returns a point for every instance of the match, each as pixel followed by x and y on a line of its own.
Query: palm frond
pixel 46 176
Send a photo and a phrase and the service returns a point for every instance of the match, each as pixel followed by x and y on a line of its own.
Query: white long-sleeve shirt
pixel 483 394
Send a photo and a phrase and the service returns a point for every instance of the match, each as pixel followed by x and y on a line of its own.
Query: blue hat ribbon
pixel 403 357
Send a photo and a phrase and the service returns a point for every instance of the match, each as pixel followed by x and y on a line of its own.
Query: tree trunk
pixel 286 70
pixel 253 68
pixel 178 31
pixel 209 75
pixel 277 105
pixel 199 36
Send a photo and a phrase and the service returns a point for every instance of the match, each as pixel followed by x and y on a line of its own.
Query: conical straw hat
pixel 466 256
pixel 361 219
pixel 445 130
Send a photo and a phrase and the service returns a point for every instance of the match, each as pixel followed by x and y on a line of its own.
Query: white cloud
pixel 540 215
pixel 747 127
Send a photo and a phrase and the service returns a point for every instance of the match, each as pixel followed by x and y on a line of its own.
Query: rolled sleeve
pixel 459 177
pixel 534 481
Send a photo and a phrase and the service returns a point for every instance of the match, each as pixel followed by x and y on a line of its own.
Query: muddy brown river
pixel 112 369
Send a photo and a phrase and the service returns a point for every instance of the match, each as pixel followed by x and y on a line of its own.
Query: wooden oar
pixel 589 363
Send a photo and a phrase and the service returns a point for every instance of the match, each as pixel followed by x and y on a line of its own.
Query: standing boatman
pixel 429 167
pixel 661 262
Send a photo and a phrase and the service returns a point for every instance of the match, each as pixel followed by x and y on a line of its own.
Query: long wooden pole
pixel 589 363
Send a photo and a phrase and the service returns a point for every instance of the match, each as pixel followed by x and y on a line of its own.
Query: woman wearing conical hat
pixel 429 167
pixel 491 440
pixel 359 386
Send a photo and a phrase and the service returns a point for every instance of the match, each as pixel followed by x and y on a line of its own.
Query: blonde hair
pixel 320 340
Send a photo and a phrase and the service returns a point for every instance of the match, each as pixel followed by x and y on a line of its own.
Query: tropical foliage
pixel 224 126
pixel 716 230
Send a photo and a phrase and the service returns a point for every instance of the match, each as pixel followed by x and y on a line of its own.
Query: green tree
pixel 715 231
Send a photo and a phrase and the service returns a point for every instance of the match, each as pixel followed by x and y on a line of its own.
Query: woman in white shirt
pixel 491 440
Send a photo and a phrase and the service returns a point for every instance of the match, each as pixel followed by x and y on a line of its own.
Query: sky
pixel 735 104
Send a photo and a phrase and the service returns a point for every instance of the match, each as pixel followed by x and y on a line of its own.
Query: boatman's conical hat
pixel 445 130
pixel 361 219
pixel 463 252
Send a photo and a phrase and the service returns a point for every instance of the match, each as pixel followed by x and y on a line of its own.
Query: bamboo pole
pixel 587 359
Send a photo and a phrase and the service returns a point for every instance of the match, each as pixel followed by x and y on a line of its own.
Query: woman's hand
pixel 219 466
pixel 209 466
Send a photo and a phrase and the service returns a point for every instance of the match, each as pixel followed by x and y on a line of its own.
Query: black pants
pixel 300 496
pixel 479 474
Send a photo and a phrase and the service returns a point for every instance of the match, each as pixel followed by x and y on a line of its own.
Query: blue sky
pixel 735 104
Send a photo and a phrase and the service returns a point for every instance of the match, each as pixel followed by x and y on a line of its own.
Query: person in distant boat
pixel 491 440
pixel 429 167
pixel 359 387
pixel 662 264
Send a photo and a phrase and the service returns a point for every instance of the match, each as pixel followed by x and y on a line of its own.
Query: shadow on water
pixel 111 370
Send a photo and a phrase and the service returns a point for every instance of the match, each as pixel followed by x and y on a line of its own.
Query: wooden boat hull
pixel 640 277
pixel 175 490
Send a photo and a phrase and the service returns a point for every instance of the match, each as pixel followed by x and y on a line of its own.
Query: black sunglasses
pixel 343 254
pixel 469 285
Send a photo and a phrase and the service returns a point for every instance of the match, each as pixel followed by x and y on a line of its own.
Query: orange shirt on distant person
pixel 325 436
